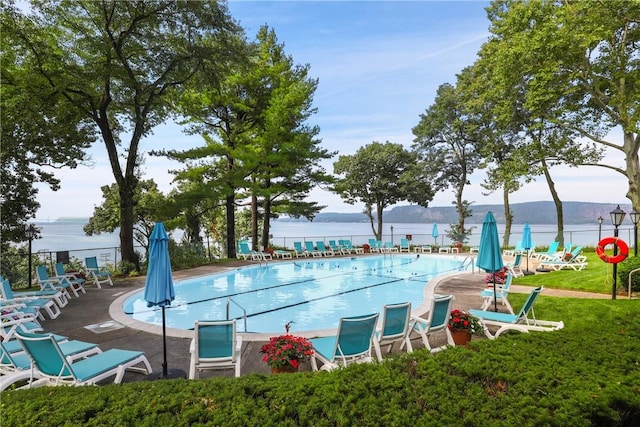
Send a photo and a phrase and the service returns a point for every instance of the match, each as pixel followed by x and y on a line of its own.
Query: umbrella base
pixel 528 273
pixel 172 374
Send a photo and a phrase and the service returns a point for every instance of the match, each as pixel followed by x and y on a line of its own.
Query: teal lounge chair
pixel 575 260
pixel 388 247
pixel 502 291
pixel 15 365
pixel 8 293
pixel 437 321
pixel 404 245
pixel 299 250
pixel 395 328
pixel 215 345
pixel 514 267
pixel 52 283
pixel 322 248
pixel 49 359
pixel 552 252
pixel 31 304
pixel 14 319
pixel 524 321
pixel 246 252
pixel 75 281
pixel 336 248
pixel 351 344
pixel 99 275
pixel 349 247
pixel 513 252
pixel 375 245
pixel 308 247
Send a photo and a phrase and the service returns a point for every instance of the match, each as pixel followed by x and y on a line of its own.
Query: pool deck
pixel 88 318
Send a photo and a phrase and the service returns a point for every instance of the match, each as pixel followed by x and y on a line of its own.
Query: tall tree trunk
pixel 126 190
pixel 266 222
pixel 508 218
pixel 369 213
pixel 379 209
pixel 254 222
pixel 193 227
pixel 230 206
pixel 460 205
pixel 557 201
pixel 633 168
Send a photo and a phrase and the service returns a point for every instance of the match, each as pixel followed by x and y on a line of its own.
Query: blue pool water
pixel 313 293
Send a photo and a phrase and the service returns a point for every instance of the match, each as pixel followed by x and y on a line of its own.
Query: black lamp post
pixel 600 219
pixel 635 217
pixel 392 234
pixel 31 233
pixel 617 215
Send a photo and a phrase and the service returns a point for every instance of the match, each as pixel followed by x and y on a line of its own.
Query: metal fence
pixel 588 238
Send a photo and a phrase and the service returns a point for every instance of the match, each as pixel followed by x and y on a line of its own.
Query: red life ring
pixel 623 250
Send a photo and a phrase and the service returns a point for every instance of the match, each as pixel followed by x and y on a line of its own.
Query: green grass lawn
pixel 596 277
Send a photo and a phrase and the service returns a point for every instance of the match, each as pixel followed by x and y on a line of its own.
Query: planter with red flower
pixel 462 326
pixel 284 353
pixel 500 277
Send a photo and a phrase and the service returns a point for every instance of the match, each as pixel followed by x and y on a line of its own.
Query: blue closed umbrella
pixel 489 254
pixel 434 234
pixel 158 288
pixel 526 241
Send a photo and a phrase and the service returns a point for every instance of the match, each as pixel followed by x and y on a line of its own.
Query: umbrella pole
pixel 164 345
pixel 495 296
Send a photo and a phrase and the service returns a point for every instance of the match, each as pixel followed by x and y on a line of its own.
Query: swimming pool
pixel 313 293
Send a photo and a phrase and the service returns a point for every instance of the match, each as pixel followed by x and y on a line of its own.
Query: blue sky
pixel 379 64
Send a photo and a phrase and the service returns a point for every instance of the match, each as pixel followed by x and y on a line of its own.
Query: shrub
pixel 626 267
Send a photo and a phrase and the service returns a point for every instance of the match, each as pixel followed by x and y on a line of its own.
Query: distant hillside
pixel 531 212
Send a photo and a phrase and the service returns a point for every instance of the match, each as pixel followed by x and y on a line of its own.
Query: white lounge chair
pixel 514 267
pixel 215 345
pixel 77 284
pixel 351 344
pixel 437 321
pixel 575 261
pixel 405 246
pixel 524 321
pixel 502 291
pixel 395 327
pixel 55 369
pixel 99 275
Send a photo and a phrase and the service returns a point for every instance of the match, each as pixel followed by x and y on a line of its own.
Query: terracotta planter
pixel 461 337
pixel 283 370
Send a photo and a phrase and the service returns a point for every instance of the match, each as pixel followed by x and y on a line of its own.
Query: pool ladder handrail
pixel 468 261
pixel 244 315
pixel 637 270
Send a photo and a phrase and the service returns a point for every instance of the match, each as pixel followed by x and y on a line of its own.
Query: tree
pixel 258 148
pixel 579 65
pixel 41 131
pixel 381 175
pixel 447 146
pixel 287 148
pixel 150 207
pixel 121 64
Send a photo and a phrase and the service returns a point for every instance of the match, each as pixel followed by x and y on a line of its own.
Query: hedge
pixel 585 374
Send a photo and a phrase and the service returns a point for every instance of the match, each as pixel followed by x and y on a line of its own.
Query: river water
pixel 67 235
